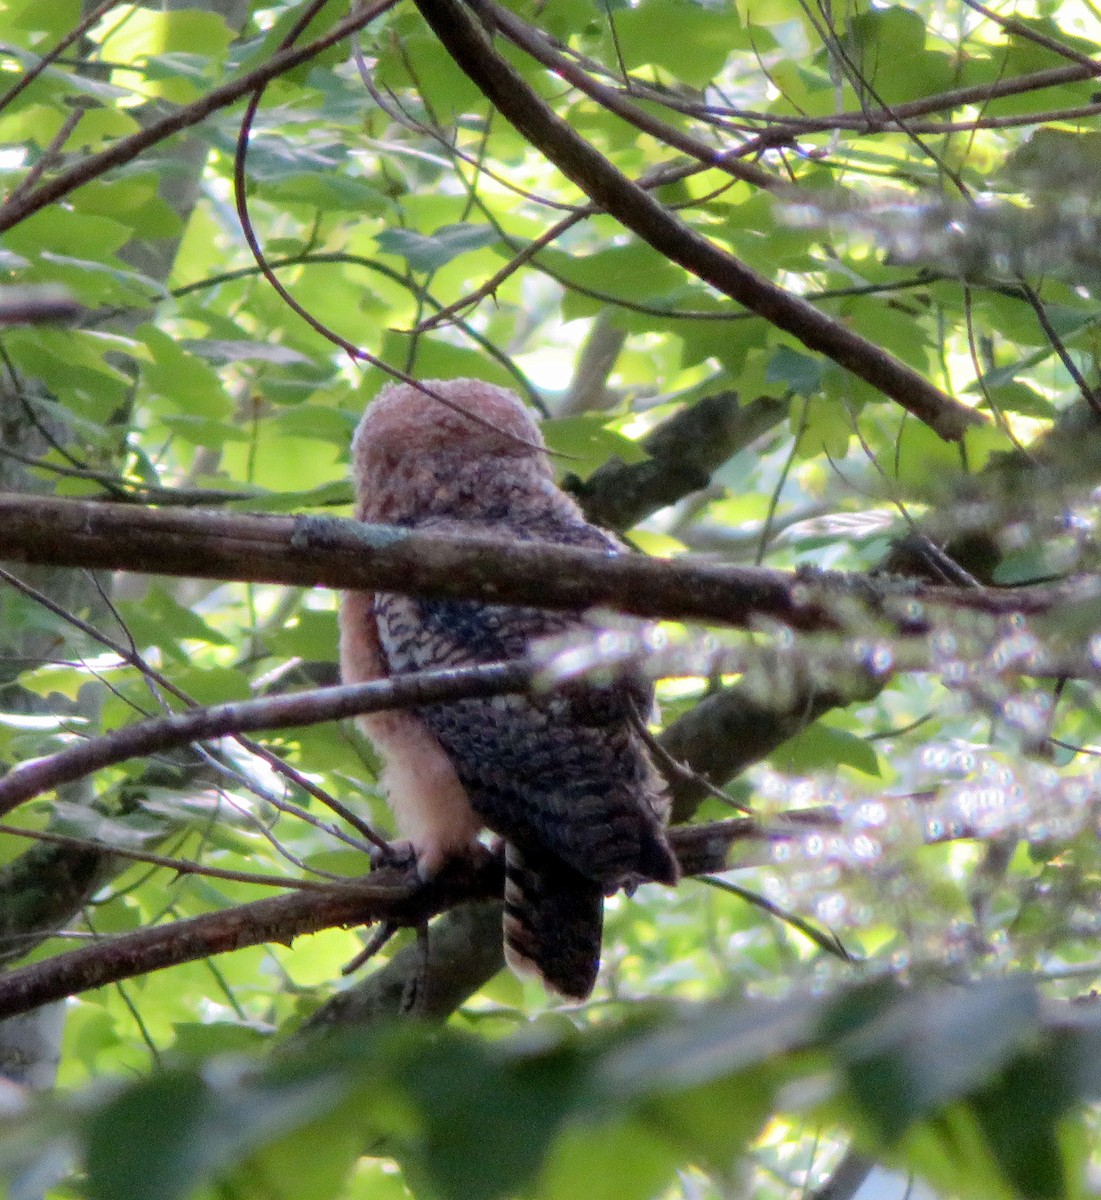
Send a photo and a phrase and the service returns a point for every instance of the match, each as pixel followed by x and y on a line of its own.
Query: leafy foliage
pixel 924 864
pixel 475 1119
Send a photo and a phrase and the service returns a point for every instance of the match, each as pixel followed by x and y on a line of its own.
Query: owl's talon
pixel 398 856
pixel 433 858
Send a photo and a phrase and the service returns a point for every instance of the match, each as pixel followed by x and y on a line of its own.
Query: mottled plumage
pixel 564 778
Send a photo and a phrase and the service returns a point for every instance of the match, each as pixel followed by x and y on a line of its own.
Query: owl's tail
pixel 554 919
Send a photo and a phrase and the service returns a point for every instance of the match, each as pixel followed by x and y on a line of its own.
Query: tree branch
pixel 716 739
pixel 389 894
pixel 683 452
pixel 535 43
pixel 311 707
pixel 645 216
pixel 330 552
pixel 464 952
pixel 727 732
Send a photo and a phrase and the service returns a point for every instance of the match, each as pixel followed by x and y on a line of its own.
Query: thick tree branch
pixel 42 888
pixel 317 705
pixel 388 895
pixel 329 552
pixel 727 732
pixel 645 216
pixel 683 452
pixel 464 952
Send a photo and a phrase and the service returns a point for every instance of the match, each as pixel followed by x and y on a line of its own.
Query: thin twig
pixel 182 866
pixel 134 658
pixel 126 149
pixel 51 56
pixel 311 707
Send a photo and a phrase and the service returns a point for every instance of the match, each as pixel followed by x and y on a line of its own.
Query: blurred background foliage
pixel 886 977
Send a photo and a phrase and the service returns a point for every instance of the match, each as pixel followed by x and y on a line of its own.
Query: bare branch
pixel 34 305
pixel 330 552
pixel 388 895
pixel 535 43
pixel 51 56
pixel 869 121
pixel 391 895
pixel 182 866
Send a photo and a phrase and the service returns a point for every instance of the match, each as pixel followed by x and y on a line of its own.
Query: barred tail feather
pixel 554 920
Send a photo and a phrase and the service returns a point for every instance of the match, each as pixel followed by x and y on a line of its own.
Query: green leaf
pixel 634 271
pixel 488 1123
pixel 1034 564
pixel 718 1041
pixel 824 747
pixel 201 1041
pixel 904 1057
pixel 430 252
pixel 210 684
pixel 180 1131
pixel 1019 397
pixel 74 366
pixel 72 235
pixel 1020 1113
pixel 587 443
pixel 618 1160
pixel 183 379
pixel 276 159
pixel 310 1163
pixel 221 350
pixel 161 1122
pixel 1077 153
pixel 422 61
pixel 55 19
pixel 799 372
pixel 310 635
pixel 77 820
pixel 924 462
pixel 329 495
pixel 890 47
pixel 159 620
pixel 696 54
pixel 146 32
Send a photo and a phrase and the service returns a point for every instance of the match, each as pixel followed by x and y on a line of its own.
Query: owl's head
pixel 458 436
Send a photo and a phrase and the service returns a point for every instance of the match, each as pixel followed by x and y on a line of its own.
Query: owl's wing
pixel 562 776
pixel 563 772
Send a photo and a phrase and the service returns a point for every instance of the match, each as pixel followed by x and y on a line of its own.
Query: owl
pixel 563 777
